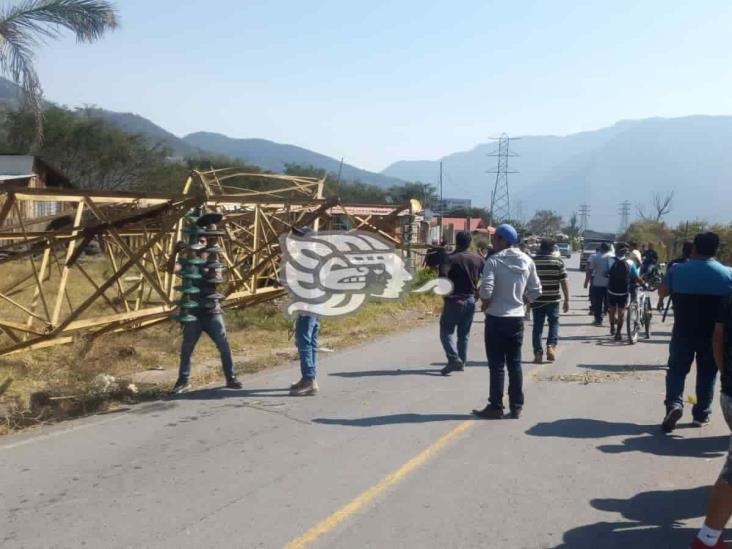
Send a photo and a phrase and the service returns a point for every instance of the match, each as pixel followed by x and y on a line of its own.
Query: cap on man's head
pixel 507 233
pixel 463 239
pixel 303 231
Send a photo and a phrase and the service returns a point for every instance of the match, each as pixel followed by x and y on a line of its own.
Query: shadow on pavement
pixel 397 372
pixel 220 393
pixel 652 519
pixel 623 367
pixel 394 419
pixel 468 364
pixel 670 446
pixel 588 428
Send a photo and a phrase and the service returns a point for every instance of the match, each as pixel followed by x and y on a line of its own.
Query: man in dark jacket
pixel 463 268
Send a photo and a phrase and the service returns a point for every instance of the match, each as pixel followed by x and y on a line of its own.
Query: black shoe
pixel 489 413
pixel 233 383
pixel 619 336
pixel 181 386
pixel 612 328
pixel 453 365
pixel 701 422
pixel 672 418
pixel 516 413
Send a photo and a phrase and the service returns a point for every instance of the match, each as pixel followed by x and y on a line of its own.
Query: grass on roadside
pixel 58 382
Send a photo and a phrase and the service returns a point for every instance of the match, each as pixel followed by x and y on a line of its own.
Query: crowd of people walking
pixel 699 287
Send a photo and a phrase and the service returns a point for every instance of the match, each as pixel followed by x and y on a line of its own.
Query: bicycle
pixel 640 314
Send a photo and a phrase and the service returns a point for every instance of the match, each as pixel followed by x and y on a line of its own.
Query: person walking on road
pixel 720 501
pixel 463 268
pixel 696 288
pixel 623 279
pixel 686 249
pixel 508 276
pixel 307 329
pixel 596 277
pixel 436 256
pixel 207 320
pixel 553 276
pixel 634 254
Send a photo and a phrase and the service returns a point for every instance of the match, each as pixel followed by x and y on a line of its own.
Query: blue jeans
pixel 307 328
pixel 548 312
pixel 214 326
pixel 456 313
pixel 598 295
pixel 681 356
pixel 503 339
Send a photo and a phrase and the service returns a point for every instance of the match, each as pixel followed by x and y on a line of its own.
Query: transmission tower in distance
pixel 624 216
pixel 500 197
pixel 584 213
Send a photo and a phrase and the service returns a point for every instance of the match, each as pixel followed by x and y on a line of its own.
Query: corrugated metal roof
pixel 13 164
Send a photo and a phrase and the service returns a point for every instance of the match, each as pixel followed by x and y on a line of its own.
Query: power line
pixel 500 197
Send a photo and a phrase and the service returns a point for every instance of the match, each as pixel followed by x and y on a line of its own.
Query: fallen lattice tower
pixel 52 289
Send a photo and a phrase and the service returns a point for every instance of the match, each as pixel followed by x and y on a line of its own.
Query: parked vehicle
pixel 589 247
pixel 565 250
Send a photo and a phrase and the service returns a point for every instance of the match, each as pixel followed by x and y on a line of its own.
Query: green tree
pixel 27 23
pixel 473 213
pixel 545 222
pixel 649 231
pixel 90 151
pixel 424 192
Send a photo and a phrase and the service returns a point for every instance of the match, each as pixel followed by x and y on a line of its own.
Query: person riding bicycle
pixel 650 259
pixel 622 277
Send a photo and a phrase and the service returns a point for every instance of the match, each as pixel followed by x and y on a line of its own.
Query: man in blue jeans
pixel 553 276
pixel 697 288
pixel 208 322
pixel 463 269
pixel 307 328
pixel 508 276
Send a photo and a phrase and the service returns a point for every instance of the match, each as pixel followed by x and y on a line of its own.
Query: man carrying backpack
pixel 622 275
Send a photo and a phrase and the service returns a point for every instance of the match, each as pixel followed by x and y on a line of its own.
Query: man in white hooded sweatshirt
pixel 508 276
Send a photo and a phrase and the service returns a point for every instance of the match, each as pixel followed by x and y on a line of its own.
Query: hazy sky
pixel 381 81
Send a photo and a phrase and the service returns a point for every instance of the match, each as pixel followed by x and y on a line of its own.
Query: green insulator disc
pixel 184 318
pixel 186 304
pixel 188 290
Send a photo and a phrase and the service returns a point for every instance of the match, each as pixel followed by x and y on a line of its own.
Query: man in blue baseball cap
pixel 508 276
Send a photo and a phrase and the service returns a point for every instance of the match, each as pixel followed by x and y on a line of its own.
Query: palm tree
pixel 27 23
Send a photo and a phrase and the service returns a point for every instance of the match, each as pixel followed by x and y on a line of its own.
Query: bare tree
pixel 661 206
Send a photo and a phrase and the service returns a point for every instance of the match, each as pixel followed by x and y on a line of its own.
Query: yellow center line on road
pixel 376 490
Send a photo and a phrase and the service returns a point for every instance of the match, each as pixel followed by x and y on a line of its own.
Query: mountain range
pixel 629 161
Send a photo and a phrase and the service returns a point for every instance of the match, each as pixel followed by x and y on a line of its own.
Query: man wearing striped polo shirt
pixel 553 276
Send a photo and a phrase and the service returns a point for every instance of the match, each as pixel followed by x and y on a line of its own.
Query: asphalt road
pixel 387 456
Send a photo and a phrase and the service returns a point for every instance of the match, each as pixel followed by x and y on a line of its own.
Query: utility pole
pixel 500 198
pixel 584 213
pixel 340 170
pixel 624 216
pixel 442 203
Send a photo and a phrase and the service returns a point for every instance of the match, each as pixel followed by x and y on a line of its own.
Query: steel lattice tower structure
pixel 500 197
pixel 584 213
pixel 624 216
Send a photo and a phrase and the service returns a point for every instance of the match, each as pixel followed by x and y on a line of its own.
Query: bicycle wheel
pixel 647 317
pixel 633 322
